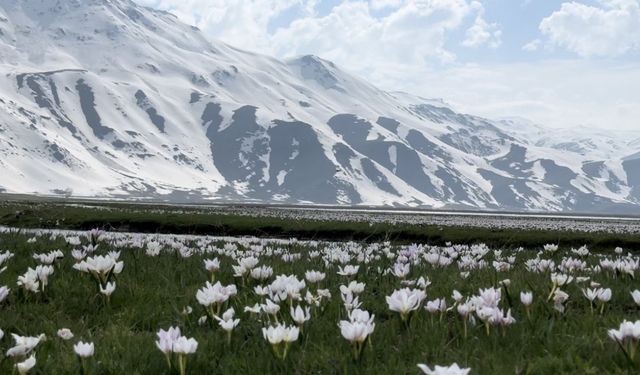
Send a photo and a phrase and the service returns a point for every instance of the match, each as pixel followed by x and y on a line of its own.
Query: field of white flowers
pixel 125 303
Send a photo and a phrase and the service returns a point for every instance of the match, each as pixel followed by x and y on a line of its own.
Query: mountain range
pixel 109 99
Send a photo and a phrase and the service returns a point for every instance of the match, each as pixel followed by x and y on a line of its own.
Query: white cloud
pixel 532 46
pixel 557 93
pixel 243 23
pixel 483 33
pixel 382 4
pixel 608 30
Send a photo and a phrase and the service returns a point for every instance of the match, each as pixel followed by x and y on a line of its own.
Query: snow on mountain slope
pixel 105 98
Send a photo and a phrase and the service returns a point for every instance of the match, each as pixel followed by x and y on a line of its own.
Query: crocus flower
pixel 636 296
pixel 84 350
pixel 300 316
pixel 454 369
pixel 227 323
pixel 65 334
pixel 25 366
pixel 4 293
pixel 24 345
pixel 406 300
pixel 314 277
pixel 108 289
pixel 280 334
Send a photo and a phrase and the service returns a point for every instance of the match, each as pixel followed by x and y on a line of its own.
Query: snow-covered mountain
pixel 105 98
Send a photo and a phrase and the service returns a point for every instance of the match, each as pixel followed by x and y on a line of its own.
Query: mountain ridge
pixel 106 98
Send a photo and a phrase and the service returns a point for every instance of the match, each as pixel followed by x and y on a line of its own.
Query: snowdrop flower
pixel 187 310
pixel 406 300
pixel 1 334
pixel 25 366
pixel 314 277
pixel 84 350
pixel 440 370
pixel 65 334
pixel 4 293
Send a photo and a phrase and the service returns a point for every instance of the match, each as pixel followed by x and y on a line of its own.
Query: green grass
pixel 160 219
pixel 152 292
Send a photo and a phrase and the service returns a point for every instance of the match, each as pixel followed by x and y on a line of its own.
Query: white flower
pixel 185 346
pixel 604 295
pixel 299 315
pixel 405 300
pixel 255 309
pixel 314 277
pixel 227 322
pixel 167 338
pixel 215 294
pixel 457 296
pixel 4 293
pixel 353 287
pixel 24 345
pixel 84 350
pixel 356 331
pixel 436 306
pixel 270 307
pixel 212 265
pixel 526 298
pixel 440 370
pixel 280 333
pixel 636 296
pixel 65 333
pixel 628 331
pixel 25 366
pixel 348 270
pixel 108 289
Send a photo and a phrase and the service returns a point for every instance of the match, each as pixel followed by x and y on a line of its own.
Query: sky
pixel 557 63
